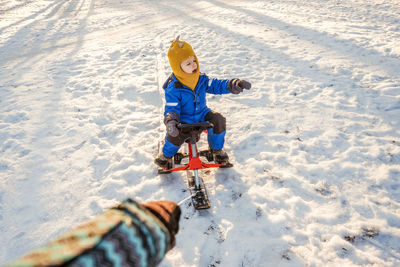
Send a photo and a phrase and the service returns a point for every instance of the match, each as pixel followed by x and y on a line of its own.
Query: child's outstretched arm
pixel 234 86
pixel 217 86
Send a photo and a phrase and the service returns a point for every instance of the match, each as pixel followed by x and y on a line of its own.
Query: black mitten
pixel 236 86
pixel 171 120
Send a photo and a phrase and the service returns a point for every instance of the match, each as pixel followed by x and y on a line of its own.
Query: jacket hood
pixel 178 52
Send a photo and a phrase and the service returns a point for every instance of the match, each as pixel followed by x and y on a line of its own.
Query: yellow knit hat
pixel 178 52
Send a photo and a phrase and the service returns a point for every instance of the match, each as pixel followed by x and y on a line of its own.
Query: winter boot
pixel 220 156
pixel 162 160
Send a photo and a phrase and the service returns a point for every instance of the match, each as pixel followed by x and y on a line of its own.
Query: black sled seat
pixel 194 129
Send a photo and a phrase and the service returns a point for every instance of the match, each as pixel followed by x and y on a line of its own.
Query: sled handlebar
pixel 200 126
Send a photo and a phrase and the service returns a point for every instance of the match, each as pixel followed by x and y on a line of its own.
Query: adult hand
pixel 169 214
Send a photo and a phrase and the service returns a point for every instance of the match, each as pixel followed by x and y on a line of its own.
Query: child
pixel 185 95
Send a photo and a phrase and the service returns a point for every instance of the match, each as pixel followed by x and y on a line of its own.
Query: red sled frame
pixel 195 163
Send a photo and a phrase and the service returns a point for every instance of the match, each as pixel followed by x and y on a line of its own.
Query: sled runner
pixel 196 186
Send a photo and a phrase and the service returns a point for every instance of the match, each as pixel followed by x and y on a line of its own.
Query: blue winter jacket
pixel 191 105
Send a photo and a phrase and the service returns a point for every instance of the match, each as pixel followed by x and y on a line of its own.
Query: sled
pixel 196 185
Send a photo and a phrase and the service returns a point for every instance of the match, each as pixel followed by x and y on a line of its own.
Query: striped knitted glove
pixel 169 214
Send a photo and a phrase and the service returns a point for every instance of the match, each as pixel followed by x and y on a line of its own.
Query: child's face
pixel 189 65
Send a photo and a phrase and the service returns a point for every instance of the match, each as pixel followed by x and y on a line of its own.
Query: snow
pixel 315 142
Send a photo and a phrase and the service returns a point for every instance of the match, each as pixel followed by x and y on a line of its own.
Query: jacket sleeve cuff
pixel 231 85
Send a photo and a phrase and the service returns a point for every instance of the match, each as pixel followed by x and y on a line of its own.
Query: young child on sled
pixel 185 95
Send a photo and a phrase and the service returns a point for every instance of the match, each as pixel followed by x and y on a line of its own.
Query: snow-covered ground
pixel 315 142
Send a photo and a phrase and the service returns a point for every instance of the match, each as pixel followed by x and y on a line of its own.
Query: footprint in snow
pixel 324 189
pixel 286 255
pixel 258 213
pixel 214 262
pixel 217 231
pixel 366 232
pixel 236 195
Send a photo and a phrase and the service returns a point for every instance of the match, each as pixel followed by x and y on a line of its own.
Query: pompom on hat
pixel 178 52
